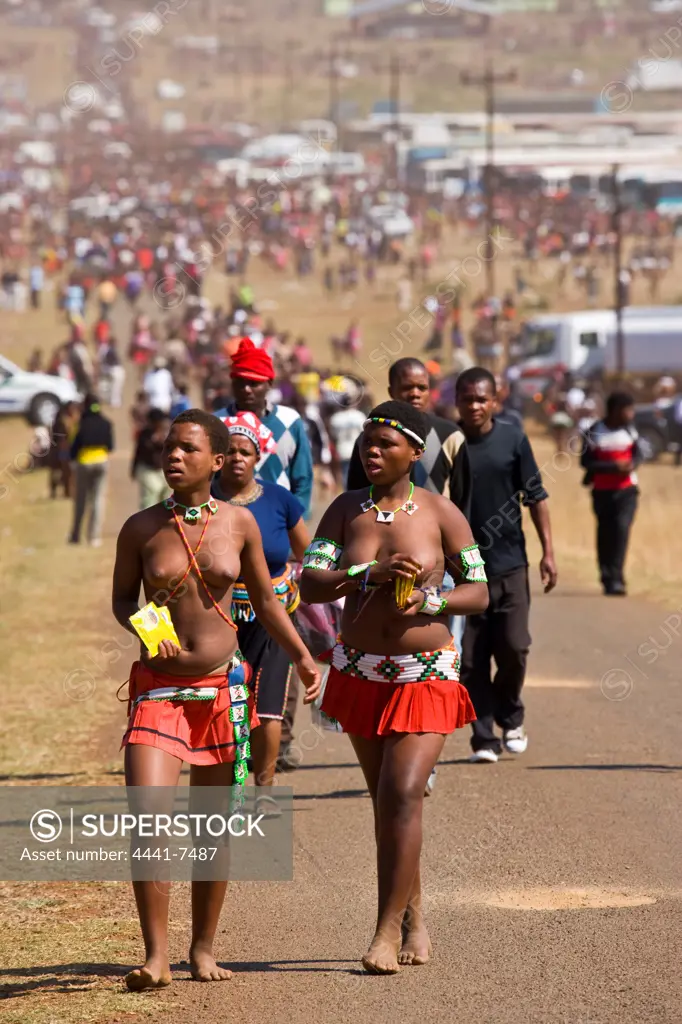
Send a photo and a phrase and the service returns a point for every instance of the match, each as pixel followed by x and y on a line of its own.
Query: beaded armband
pixel 322 553
pixel 473 564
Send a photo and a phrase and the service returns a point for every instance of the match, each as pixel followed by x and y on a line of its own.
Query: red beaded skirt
pixel 379 694
pixel 196 731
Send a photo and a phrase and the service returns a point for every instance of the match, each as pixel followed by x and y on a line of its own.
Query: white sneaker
pixel 515 740
pixel 431 782
pixel 483 756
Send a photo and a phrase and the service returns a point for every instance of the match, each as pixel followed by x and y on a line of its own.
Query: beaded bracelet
pixel 434 603
pixel 365 578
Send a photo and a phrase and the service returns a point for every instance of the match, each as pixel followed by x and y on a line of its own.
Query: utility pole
pixel 488 81
pixel 288 86
pixel 397 69
pixel 394 100
pixel 291 47
pixel 618 269
pixel 257 93
pixel 333 88
pixel 236 68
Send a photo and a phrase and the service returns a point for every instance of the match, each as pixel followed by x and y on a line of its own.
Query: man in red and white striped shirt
pixel 611 454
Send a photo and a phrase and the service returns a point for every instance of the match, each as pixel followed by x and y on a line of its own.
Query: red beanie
pixel 251 362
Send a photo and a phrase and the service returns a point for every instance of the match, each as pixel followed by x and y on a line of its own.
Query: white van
pixel 585 343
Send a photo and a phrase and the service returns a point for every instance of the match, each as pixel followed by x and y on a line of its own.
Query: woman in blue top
pixel 279 515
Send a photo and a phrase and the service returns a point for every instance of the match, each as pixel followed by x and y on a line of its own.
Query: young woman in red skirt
pixel 191 702
pixel 393 684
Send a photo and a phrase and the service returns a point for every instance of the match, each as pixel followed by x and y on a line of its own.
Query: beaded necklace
pixel 193 564
pixel 247 499
pixel 408 506
pixel 192 512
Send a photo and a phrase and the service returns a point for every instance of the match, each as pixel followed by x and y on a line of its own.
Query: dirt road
pixel 553 882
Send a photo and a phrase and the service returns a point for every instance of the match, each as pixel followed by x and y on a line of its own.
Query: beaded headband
pixel 397 426
pixel 239 428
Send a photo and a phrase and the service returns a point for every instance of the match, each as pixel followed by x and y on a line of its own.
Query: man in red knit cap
pixel 291 466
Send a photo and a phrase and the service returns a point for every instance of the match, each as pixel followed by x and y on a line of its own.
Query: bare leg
pixel 265 740
pixel 407 762
pixel 149 766
pixel 207 896
pixel 381 957
pixel 416 947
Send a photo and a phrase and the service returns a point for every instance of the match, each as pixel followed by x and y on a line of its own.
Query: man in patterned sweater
pixel 291 465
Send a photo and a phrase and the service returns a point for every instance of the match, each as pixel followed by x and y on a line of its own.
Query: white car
pixel 37 396
pixel 393 221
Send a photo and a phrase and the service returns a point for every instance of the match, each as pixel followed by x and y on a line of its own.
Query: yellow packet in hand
pixel 152 625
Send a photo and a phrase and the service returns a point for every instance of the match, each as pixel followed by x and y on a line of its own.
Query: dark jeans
pixel 501 632
pixel 615 511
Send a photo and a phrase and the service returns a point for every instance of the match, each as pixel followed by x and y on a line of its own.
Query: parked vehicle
pixel 657 430
pixel 37 396
pixel 393 221
pixel 584 343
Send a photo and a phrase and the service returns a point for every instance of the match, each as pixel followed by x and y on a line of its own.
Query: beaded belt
pixel 423 667
pixel 285 589
pixel 178 693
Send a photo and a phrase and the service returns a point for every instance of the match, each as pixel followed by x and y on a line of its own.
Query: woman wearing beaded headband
pixel 393 684
pixel 279 515
pixel 190 702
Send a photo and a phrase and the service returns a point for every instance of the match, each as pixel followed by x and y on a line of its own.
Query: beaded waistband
pixel 423 667
pixel 285 589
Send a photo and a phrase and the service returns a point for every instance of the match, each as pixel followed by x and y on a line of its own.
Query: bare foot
pixel 204 968
pixel 154 974
pixel 381 957
pixel 416 948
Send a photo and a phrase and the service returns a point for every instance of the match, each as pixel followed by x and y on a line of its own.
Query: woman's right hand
pixel 167 649
pixel 392 568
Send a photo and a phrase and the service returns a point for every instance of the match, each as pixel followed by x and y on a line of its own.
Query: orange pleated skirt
pixel 198 732
pixel 378 695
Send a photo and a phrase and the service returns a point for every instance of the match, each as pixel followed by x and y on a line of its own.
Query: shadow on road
pixel 337 794
pixel 78 977
pixel 57 775
pixel 56 978
pixel 604 768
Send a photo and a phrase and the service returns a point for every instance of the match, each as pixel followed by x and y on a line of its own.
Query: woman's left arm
pixel 299 538
pixel 472 598
pixel 269 611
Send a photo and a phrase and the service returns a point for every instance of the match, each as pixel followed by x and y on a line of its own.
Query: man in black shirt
pixel 505 477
